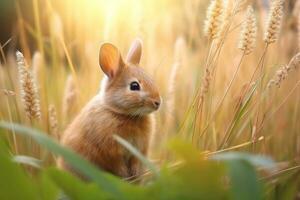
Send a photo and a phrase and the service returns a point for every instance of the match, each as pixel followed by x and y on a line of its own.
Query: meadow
pixel 228 74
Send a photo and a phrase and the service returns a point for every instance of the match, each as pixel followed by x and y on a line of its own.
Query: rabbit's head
pixel 127 88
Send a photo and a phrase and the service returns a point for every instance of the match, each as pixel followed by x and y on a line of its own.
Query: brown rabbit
pixel 122 107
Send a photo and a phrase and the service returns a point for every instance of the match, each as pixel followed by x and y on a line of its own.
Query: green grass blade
pixel 47 188
pixel 27 160
pixel 243 177
pixel 104 180
pixel 75 188
pixel 238 117
pixel 244 182
pixel 14 184
pixel 137 154
pixel 257 160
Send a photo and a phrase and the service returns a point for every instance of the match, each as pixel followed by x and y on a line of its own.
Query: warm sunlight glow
pixel 106 18
pixel 149 99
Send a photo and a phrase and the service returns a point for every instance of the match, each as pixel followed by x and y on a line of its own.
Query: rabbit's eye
pixel 134 86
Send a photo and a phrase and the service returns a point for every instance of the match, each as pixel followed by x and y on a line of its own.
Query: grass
pixel 236 135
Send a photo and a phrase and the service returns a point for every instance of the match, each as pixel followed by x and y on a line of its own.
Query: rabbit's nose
pixel 156 104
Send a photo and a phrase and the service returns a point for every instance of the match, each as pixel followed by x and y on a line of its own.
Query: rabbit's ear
pixel 110 59
pixel 135 52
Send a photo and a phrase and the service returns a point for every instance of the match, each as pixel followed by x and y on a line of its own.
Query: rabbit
pixel 123 107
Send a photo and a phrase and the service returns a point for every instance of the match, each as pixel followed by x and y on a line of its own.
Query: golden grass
pixel 214 94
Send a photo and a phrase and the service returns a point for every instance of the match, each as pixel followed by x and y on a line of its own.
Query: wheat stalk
pixel 248 33
pixel 28 89
pixel 274 22
pixel 214 19
pixel 226 18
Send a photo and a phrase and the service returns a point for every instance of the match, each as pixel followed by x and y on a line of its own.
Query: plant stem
pixel 279 106
pixel 241 99
pixel 225 94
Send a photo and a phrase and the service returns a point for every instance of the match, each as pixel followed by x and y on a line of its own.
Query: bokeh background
pixel 60 41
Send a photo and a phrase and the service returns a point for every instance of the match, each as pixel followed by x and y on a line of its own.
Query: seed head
pixel 274 22
pixel 283 72
pixel 28 89
pixel 249 32
pixel 214 19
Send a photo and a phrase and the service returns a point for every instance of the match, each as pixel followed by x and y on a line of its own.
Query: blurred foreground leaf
pixel 257 160
pixel 224 176
pixel 106 181
pixel 47 189
pixel 75 188
pixel 242 174
pixel 197 178
pixel 14 184
pixel 21 159
pixel 137 154
pixel 244 182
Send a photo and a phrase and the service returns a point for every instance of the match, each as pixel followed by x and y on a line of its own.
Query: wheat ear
pixel 274 22
pixel 249 32
pixel 283 72
pixel 214 19
pixel 28 89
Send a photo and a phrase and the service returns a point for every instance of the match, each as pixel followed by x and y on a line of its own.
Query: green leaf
pixel 47 189
pixel 184 150
pixel 75 188
pixel 27 160
pixel 195 180
pixel 137 154
pixel 257 160
pixel 14 184
pixel 104 180
pixel 244 182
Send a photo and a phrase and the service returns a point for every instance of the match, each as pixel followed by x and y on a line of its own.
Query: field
pixel 227 72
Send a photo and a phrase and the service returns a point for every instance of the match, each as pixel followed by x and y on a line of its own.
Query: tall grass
pixel 217 88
